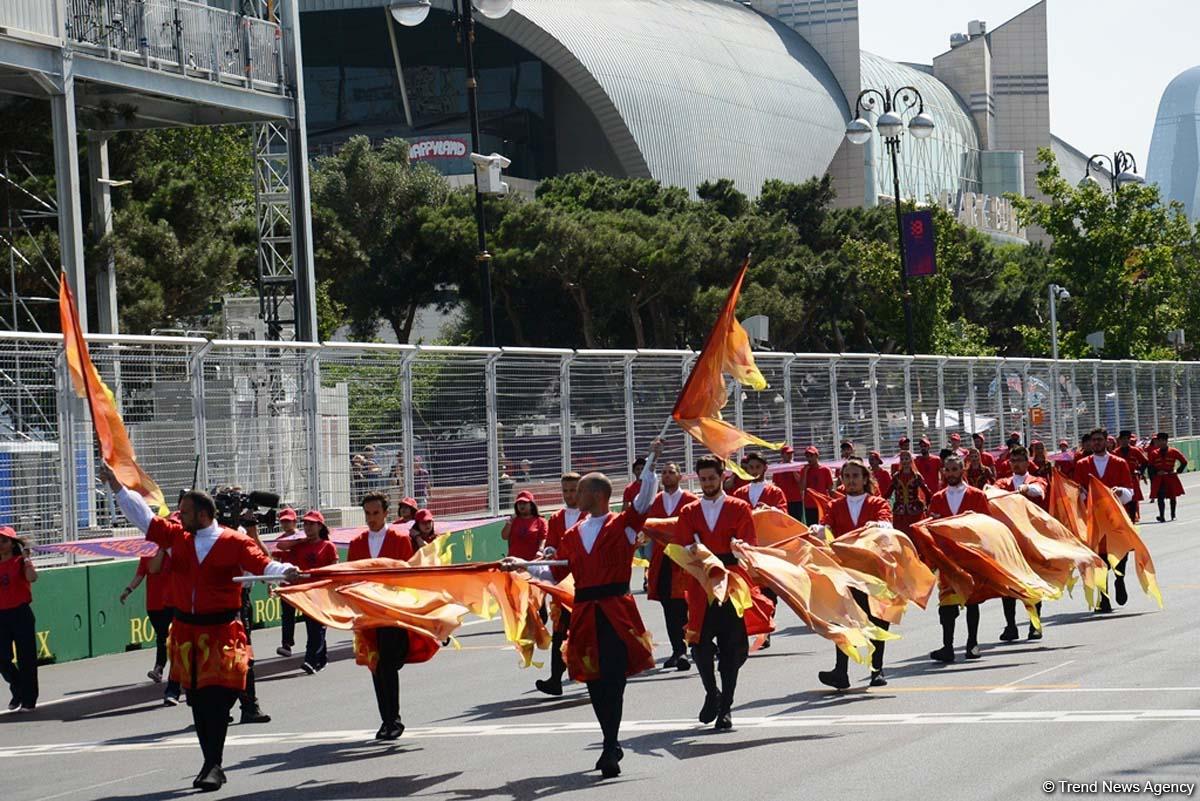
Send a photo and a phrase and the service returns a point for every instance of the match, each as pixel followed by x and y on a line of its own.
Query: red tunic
pixel 610 562
pixel 874 508
pixel 659 560
pixel 1031 480
pixel 1137 460
pixel 311 555
pixel 771 496
pixel 396 545
pixel 733 522
pixel 630 492
pixel 789 482
pixel 986 459
pixel 883 481
pixel 157 584
pixel 974 500
pixel 1164 477
pixel 930 468
pixel 1116 474
pixel 557 526
pixel 208 654
pixel 819 478
pixel 526 536
pixel 14 587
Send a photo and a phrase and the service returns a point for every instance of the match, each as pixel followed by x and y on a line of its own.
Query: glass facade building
pixel 1174 162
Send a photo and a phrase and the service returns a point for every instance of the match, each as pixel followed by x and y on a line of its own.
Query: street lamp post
pixel 890 126
pixel 414 12
pixel 1122 170
pixel 1057 293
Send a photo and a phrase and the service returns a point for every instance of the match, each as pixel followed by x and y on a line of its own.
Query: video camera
pixel 240 509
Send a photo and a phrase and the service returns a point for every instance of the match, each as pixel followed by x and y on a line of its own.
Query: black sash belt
pixel 726 558
pixel 613 590
pixel 208 618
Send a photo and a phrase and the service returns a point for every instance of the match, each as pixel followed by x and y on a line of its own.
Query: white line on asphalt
pixel 1096 690
pixel 94 786
pixel 1004 688
pixel 588 728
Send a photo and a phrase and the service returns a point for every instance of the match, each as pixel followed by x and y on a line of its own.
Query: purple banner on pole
pixel 919 256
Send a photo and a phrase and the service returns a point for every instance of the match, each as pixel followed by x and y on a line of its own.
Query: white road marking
pixel 95 786
pixel 1005 687
pixel 589 728
pixel 1096 690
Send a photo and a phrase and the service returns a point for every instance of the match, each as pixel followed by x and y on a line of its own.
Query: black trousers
pixel 842 661
pixel 558 665
pixel 796 510
pixel 675 610
pixel 607 693
pixel 949 614
pixel 315 652
pixel 811 516
pixel 210 713
pixel 17 630
pixel 248 696
pixel 1162 497
pixel 722 644
pixel 287 624
pixel 1010 610
pixel 393 651
pixel 161 621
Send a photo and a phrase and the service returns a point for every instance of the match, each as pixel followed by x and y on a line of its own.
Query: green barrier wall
pixel 115 627
pixel 60 606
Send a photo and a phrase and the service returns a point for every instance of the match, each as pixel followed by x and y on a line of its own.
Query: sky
pixel 1110 60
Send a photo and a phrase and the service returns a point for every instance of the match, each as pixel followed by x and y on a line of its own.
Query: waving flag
pixel 1109 525
pixel 726 351
pixel 115 448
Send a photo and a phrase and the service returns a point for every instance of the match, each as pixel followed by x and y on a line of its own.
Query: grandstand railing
pixel 461 429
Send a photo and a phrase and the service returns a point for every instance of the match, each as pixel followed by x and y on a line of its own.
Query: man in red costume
pixel 607 642
pixel 1114 473
pixel 789 482
pixel 716 630
pixel 883 478
pixel 668 582
pixel 760 492
pixel 1165 464
pixel 1138 463
pixel 559 524
pixel 1037 492
pixel 209 653
pixel 928 466
pixel 631 490
pixel 816 477
pixel 957 497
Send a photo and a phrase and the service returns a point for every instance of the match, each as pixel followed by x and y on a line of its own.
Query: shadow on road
pixel 518 707
pixel 391 787
pixel 323 755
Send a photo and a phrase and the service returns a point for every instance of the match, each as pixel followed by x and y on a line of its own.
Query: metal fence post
pixel 908 408
pixel 1096 397
pixel 312 424
pixel 1137 413
pixel 1026 404
pixel 66 450
pixel 1154 398
pixel 788 428
pixel 199 412
pixel 407 436
pixel 493 443
pixel 630 443
pixel 1189 379
pixel 833 403
pixel 1074 408
pixel 688 361
pixel 1174 411
pixel 1053 402
pixel 971 396
pixel 941 397
pixel 876 434
pixel 564 400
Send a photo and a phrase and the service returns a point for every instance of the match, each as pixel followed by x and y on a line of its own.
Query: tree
pixel 1126 258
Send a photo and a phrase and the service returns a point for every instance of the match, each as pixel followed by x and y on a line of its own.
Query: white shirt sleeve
pixel 274 568
pixel 649 487
pixel 541 573
pixel 1035 491
pixel 1124 494
pixel 135 508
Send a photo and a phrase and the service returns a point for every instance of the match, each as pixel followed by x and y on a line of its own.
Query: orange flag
pixel 889 555
pixel 726 351
pixel 1109 525
pixel 1066 505
pixel 115 448
pixel 1052 550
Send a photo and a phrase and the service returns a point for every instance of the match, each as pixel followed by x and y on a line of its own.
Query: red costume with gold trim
pixel 396 545
pixel 659 560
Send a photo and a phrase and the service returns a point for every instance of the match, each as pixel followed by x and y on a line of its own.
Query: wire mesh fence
pixel 462 430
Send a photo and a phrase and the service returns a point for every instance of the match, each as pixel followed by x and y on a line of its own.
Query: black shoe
pixel 766 643
pixel 204 769
pixel 1105 605
pixel 549 686
pixel 1009 634
pixel 1162 519
pixel 393 731
pixel 837 679
pixel 608 764
pixel 14 703
pixel 307 668
pixel 942 654
pixel 683 663
pixel 1122 595
pixel 210 779
pixel 383 730
pixel 284 650
pixel 1034 634
pixel 878 679
pixel 973 652
pixel 724 721
pixel 619 751
pixel 712 706
pixel 170 700
pixel 671 662
pixel 252 714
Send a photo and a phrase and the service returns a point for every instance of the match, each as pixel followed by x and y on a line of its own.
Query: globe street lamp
pixel 890 124
pixel 1122 170
pixel 414 12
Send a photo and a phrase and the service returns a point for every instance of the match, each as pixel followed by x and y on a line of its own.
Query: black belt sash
pixel 727 559
pixel 599 591
pixel 208 618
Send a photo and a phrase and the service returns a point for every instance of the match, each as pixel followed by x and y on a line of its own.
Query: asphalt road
pixel 1113 698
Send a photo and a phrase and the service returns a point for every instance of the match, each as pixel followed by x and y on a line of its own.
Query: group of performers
pixel 599 638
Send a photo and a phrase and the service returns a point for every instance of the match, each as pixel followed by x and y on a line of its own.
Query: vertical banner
pixel 919 257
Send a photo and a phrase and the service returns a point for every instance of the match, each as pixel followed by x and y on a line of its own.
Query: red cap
pixel 1014 434
pixel 902 441
pixel 812 449
pixel 1035 442
pixel 423 516
pixel 287 513
pixel 924 441
pixel 1062 443
pixel 313 516
pixel 411 503
pixel 7 531
pixel 955 437
pixel 787 449
pixel 874 455
pixel 525 495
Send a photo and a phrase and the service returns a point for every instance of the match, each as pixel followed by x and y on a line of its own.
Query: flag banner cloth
pixel 726 351
pixel 977 558
pixel 115 448
pixel 1114 534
